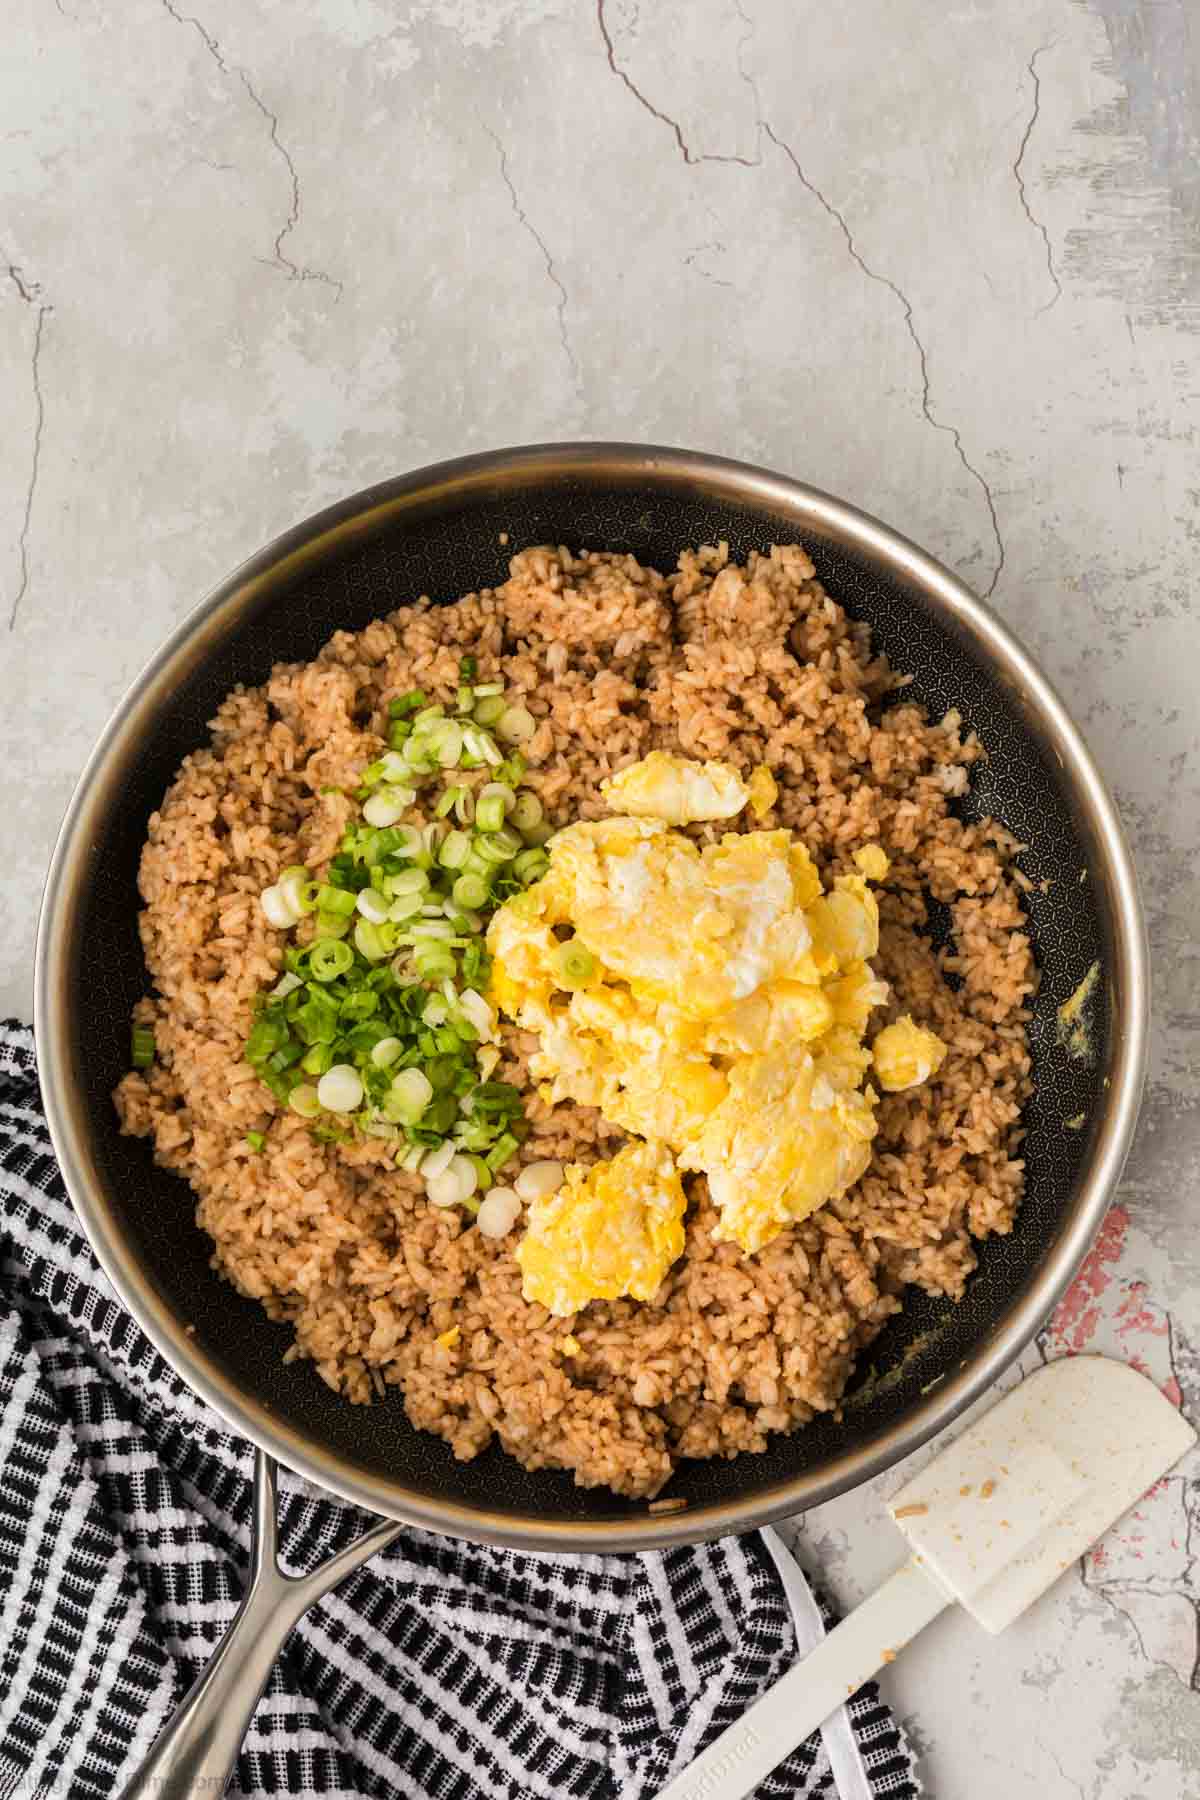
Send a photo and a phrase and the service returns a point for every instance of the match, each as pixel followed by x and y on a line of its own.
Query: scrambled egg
pixel 612 1229
pixel 675 790
pixel 872 861
pixel 715 1006
pixel 905 1055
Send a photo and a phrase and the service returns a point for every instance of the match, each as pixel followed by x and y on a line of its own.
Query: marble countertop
pixel 942 261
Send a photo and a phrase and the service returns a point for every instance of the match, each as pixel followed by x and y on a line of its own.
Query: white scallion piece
pixel 499 1211
pixel 456 1183
pixel 435 1162
pixel 537 1179
pixel 516 724
pixel 409 1095
pixel 278 909
pixel 292 888
pixel 304 1100
pixel 478 1013
pixel 388 806
pixel 373 907
pixel 340 1089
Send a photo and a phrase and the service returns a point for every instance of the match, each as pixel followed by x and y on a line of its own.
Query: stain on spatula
pixel 992 1522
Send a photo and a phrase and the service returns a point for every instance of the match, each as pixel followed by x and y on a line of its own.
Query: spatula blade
pixel 1006 1508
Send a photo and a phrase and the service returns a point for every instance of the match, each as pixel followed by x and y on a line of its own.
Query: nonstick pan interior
pixel 445 539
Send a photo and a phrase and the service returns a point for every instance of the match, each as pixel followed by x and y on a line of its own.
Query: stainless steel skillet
pixel 440 531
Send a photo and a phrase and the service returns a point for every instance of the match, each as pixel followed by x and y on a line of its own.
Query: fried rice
pixel 753 664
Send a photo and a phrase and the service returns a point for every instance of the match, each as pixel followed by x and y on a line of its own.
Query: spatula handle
pixel 793 1709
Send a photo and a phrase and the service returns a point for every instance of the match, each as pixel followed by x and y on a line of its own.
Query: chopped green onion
pixel 142 1047
pixel 407 1097
pixel 576 964
pixel 330 958
pixel 359 1005
pixel 354 1014
pixel 373 906
pixel 388 805
pixel 336 900
pixel 470 891
pixel 256 1140
pixel 489 813
pixel 409 842
pixel 446 742
pixel 468 668
pixel 433 963
pixel 455 850
pixel 499 846
pixel 531 865
pixel 516 725
pixel 340 1089
pixel 526 812
pixel 404 906
pixel 498 790
pixel 370 942
pixel 474 964
pixel 512 769
pixel 332 925
pixel 480 745
pixel 298 891
pixel 504 1147
pixel 488 710
pixel 487 690
pixel 408 881
pixel 266 1035
pixel 432 928
pixel 317 1019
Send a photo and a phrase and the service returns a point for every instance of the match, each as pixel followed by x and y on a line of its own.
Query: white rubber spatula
pixel 992 1522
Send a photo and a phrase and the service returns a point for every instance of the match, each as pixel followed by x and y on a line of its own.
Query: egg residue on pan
pixel 712 1001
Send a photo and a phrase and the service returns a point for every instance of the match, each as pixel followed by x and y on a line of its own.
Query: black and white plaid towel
pixel 439 1670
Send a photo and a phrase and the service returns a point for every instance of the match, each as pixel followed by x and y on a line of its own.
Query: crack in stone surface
pixel 29 293
pixel 278 259
pixel 1111 1591
pixel 1070 1780
pixel 1038 226
pixel 689 155
pixel 764 128
pixel 691 261
pixel 523 219
pixel 931 418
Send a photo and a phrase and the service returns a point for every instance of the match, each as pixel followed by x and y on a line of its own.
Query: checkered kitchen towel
pixel 439 1670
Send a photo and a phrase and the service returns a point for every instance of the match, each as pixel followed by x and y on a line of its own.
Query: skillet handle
pixel 196 1751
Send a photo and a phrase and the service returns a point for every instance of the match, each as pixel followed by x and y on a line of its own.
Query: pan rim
pixel 1052 1274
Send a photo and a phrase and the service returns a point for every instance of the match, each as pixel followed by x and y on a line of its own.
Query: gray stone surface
pixel 943 261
